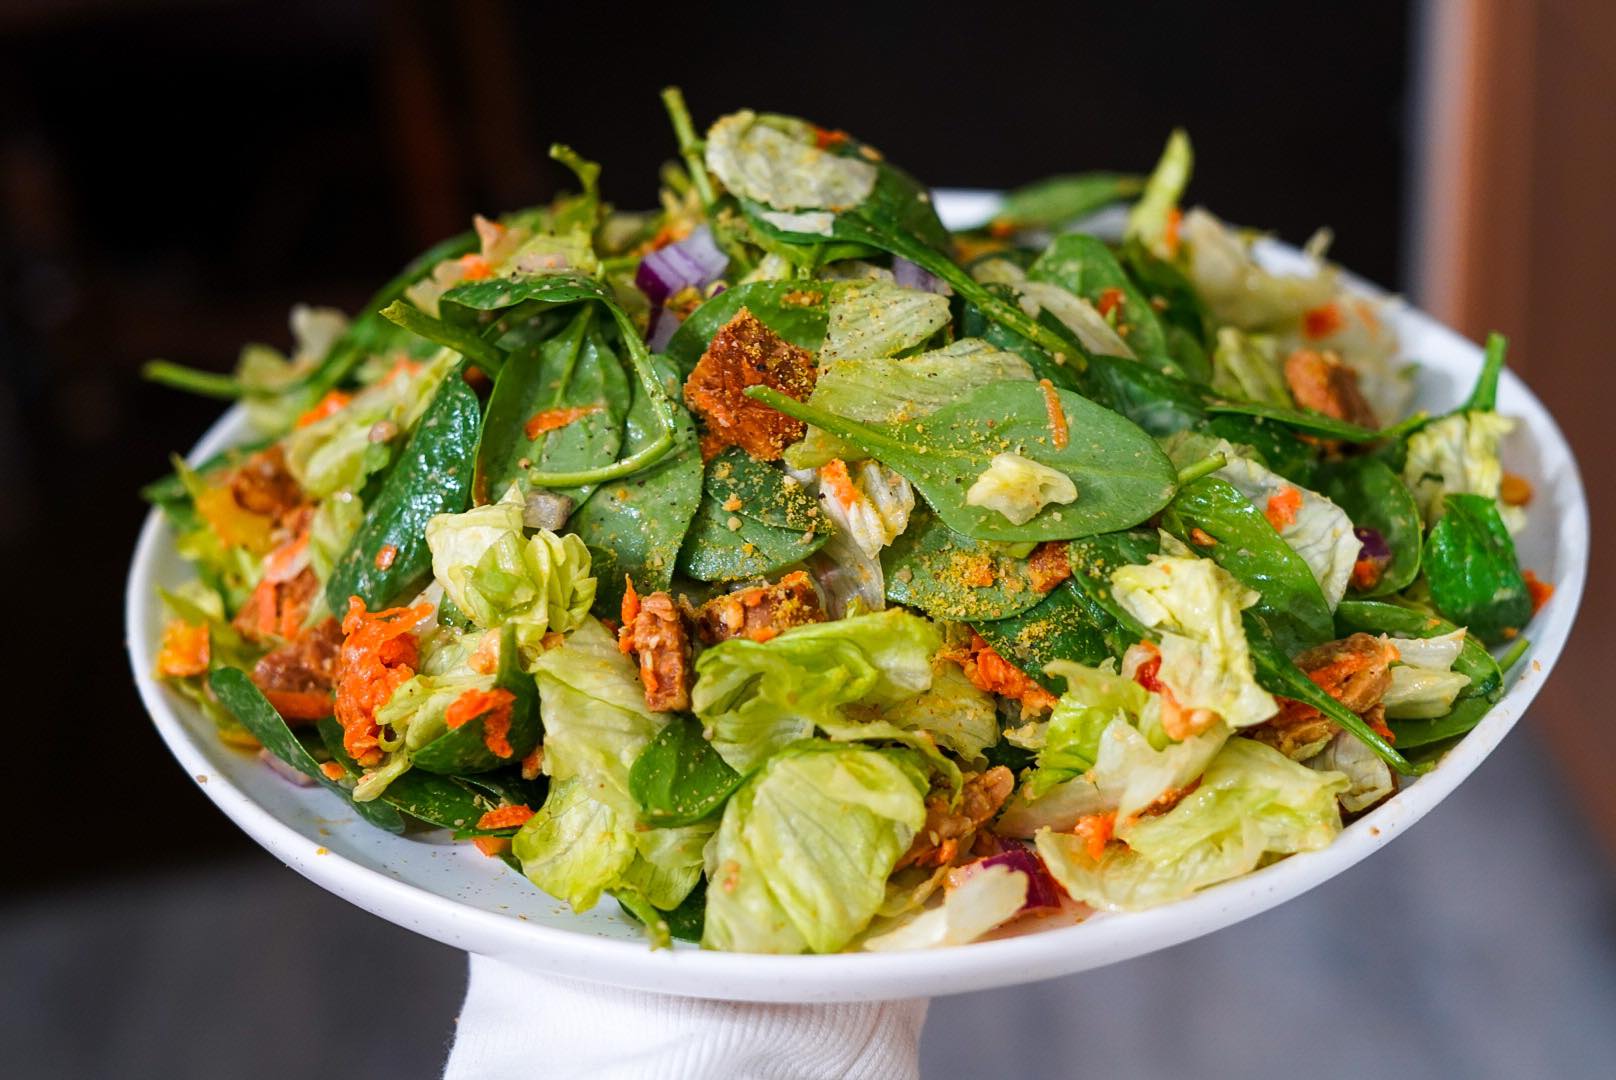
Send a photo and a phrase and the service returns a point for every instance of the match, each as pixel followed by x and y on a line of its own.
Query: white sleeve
pixel 515 1024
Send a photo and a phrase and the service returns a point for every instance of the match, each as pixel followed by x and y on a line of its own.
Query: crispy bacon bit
pixel 1515 490
pixel 1095 830
pixel 378 654
pixel 264 485
pixel 946 830
pixel 1049 565
pixel 385 556
pixel 760 612
pixel 1540 591
pixel 333 402
pixel 504 817
pixel 1283 506
pixel 657 635
pixel 1110 300
pixel 333 771
pixel 746 353
pixel 297 676
pixel 989 671
pixel 1356 671
pixel 185 650
pixel 1201 538
pixel 556 419
pixel 1321 382
pixel 494 706
pixel 1059 434
pixel 1322 321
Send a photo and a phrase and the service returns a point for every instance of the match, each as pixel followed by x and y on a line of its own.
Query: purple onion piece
pixel 1041 890
pixel 911 276
pixel 660 332
pixel 692 263
pixel 1375 547
pixel 285 771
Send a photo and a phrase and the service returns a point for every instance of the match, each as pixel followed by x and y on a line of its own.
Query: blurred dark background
pixel 174 175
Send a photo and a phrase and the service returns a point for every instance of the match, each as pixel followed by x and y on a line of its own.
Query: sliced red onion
pixel 285 771
pixel 1374 544
pixel 1042 892
pixel 911 276
pixel 660 332
pixel 692 263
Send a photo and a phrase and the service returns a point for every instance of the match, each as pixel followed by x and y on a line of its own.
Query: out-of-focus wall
pixel 1515 231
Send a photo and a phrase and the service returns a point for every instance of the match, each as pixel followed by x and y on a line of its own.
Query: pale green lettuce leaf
pixel 1252 801
pixel 1321 533
pixel 1079 316
pixel 1369 779
pixel 756 697
pixel 1019 487
pixel 595 719
pixel 1458 455
pixel 1093 699
pixel 868 319
pixel 802 855
pixel 1206 661
pixel 1148 218
pixel 1418 693
pixel 667 863
pixel 953 711
pixel 776 160
pixel 986 899
pixel 1236 288
pixel 575 847
pixel 266 376
pixel 1248 366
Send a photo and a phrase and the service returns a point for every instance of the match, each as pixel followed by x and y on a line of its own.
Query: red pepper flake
pixel 504 817
pixel 554 419
pixel 1540 591
pixel 1059 434
pixel 1110 300
pixel 385 557
pixel 333 402
pixel 1146 673
pixel 1283 506
pixel 1322 321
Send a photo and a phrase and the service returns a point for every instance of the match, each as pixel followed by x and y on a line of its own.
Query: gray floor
pixel 1480 945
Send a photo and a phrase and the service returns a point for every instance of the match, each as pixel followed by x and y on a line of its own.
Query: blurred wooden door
pixel 1518 234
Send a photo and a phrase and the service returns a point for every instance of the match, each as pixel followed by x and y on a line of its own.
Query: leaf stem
pixel 866 436
pixel 206 383
pixel 1513 654
pixel 1484 397
pixel 473 348
pixel 1205 467
pixel 690 147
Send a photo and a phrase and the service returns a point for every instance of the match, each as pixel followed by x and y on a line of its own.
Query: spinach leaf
pixel 1174 296
pixel 1162 404
pixel 1122 476
pixel 635 527
pixel 461 751
pixel 442 801
pixel 247 703
pixel 679 779
pixel 432 476
pixel 497 294
pixel 752 521
pixel 1474 701
pixel 683 923
pixel 1278 448
pixel 1375 497
pixel 1278 675
pixel 1062 625
pixel 1317 423
pixel 1291 603
pixel 951 576
pixel 749 488
pixel 1472 570
pixel 1085 267
pixel 796 310
pixel 1059 199
pixel 976 323
pixel 574 370
pixel 1094 559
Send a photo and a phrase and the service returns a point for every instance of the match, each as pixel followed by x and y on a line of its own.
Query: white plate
pixel 452 893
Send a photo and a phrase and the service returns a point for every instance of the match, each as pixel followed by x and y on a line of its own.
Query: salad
pixel 808 577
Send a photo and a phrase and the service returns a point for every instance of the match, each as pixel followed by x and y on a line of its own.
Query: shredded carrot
pixel 1540 591
pixel 300 704
pixel 333 771
pixel 833 477
pixel 474 267
pixel 1283 506
pixel 1201 538
pixel 492 846
pixel 1170 236
pixel 1095 830
pixel 1515 490
pixel 555 419
pixel 1058 432
pixel 1377 723
pixel 989 671
pixel 1110 300
pixel 826 138
pixel 378 655
pixel 533 764
pixel 631 601
pixel 333 402
pixel 185 650
pixel 1366 573
pixel 494 706
pixel 1322 321
pixel 504 817
pixel 385 557
pixel 1001 228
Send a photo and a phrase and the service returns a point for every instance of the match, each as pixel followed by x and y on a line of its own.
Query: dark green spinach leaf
pixel 1470 564
pixel 679 779
pixel 1374 497
pixel 462 750
pixel 951 576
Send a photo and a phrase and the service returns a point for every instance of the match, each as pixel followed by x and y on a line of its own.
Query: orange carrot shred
pixel 1322 321
pixel 333 771
pixel 385 557
pixel 492 846
pixel 378 654
pixel 1283 506
pixel 504 817
pixel 1059 434
pixel 1170 236
pixel 333 402
pixel 185 650
pixel 555 419
pixel 1110 300
pixel 1540 591
pixel 1095 830
pixel 833 475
